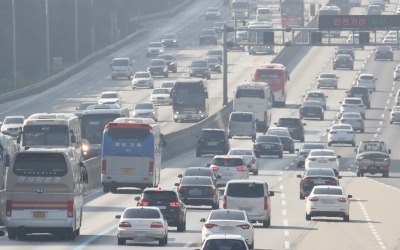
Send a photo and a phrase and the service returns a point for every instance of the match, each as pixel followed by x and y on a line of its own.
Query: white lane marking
pixel 286 232
pixel 375 135
pixel 380 123
pixel 56 106
pixel 283 202
pixel 89 87
pixel 100 82
pixel 280 179
pixel 284 212
pixel 390 95
pixel 383 115
pixel 67 100
pixel 324 134
pixel 378 129
pixel 286 168
pixel 285 223
pixel 387 101
pixel 281 187
pixel 287 244
pixel 189 244
pixel 79 93
pixel 283 196
pixel 370 224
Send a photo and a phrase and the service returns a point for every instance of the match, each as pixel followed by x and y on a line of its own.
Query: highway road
pixel 374 221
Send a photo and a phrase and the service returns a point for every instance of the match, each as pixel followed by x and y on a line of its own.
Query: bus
pixel 8 148
pixel 131 154
pixel 255 37
pixel 344 6
pixel 330 10
pixel 292 13
pixel 254 97
pixel 189 100
pixel 276 76
pixel 93 122
pixel 56 130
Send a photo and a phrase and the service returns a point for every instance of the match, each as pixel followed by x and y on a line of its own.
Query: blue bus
pixel 131 154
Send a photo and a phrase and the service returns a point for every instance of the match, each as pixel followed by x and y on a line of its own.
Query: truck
pixel 240 9
pixel 373 158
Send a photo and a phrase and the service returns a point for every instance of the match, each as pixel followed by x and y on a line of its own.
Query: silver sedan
pixel 327 80
pixel 395 115
pixel 249 157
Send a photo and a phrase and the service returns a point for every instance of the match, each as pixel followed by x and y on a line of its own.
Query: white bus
pixel 255 37
pixel 254 97
pixel 56 130
pixel 131 154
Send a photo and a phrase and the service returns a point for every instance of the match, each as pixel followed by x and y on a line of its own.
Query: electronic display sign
pixel 358 22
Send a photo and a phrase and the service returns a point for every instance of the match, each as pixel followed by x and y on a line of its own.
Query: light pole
pixel 76 31
pixel 14 46
pixel 47 38
pixel 92 26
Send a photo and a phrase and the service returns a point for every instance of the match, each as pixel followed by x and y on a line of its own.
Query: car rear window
pixel 352 101
pixel 289 122
pixel 241 117
pixel 227 215
pixel 228 162
pixel 328 191
pixel 40 164
pixel 317 95
pixel 313 146
pixel 356 90
pixel 196 180
pixel 315 172
pixel 142 214
pixel 224 244
pixel 310 108
pixel 213 135
pixel 198 172
pixel 322 153
pixel 250 93
pixel 247 189
pixel 366 77
pixel 159 195
pixel 268 139
pixel 278 132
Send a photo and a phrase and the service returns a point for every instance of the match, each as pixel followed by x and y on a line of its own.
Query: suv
pixel 373 157
pixel 252 196
pixel 170 40
pixel 170 60
pixel 362 92
pixel 212 141
pixel 208 36
pixel 383 52
pixel 155 49
pixel 242 124
pixel 199 68
pixel 171 206
pixel 295 127
pixel 200 171
pixel 343 61
pixel 158 67
pixel 121 67
pixel 347 50
pixel 316 95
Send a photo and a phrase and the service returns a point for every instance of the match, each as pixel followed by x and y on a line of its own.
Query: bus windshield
pixel 93 126
pixel 189 99
pixel 291 9
pixel 45 135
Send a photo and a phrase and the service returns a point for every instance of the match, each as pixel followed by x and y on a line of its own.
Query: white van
pixel 264 14
pixel 44 193
pixel 121 67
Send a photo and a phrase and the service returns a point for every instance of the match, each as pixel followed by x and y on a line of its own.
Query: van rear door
pixel 246 196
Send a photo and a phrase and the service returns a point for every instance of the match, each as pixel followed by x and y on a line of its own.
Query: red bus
pixel 276 76
pixel 292 13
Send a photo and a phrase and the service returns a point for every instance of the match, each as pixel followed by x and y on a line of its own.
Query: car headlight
pixel 163 41
pixel 85 147
pixel 191 71
pixel 174 41
pixel 161 50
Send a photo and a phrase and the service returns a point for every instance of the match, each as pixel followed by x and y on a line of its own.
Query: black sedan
pixel 198 191
pixel 314 177
pixel 170 60
pixel 170 40
pixel 214 64
pixel 200 171
pixel 383 53
pixel 343 61
pixel 311 111
pixel 268 145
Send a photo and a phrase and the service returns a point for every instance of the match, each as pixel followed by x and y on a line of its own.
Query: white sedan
pixel 395 115
pixel 328 201
pixel 249 157
pixel 228 221
pixel 161 96
pixel 341 134
pixel 142 223
pixel 109 97
pixel 367 80
pixel 353 104
pixel 327 80
pixel 142 79
pixel 323 158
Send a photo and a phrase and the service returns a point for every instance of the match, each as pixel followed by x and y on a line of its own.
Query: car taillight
pixel 70 208
pixel 124 224
pixel 266 205
pixel 103 166
pixel 332 159
pixel 209 190
pixel 342 120
pixel 241 169
pixel 312 198
pixel 215 169
pixel 142 203
pixel 8 208
pixel 305 180
pixel 244 226
pixel 174 203
pixel 280 146
pixel 333 182
pixel 210 225
pixel 156 225
pixel 253 161
pixel 182 189
pixel 151 167
pixel 224 202
pixel 342 200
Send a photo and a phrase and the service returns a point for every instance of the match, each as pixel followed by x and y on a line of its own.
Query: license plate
pixel 247 209
pixel 212 143
pixel 195 192
pixel 341 139
pixel 343 65
pixel 161 207
pixel 127 170
pixel 327 202
pixel 319 182
pixel 322 161
pixel 39 215
pixel 373 168
pixel 311 113
pixel 266 146
pixel 188 116
pixel 225 228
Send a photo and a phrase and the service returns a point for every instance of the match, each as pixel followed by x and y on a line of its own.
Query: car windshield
pixel 197 181
pixel 227 215
pixel 366 77
pixel 169 36
pixel 161 91
pixel 315 95
pixel 327 76
pixel 351 115
pixel 167 84
pixel 228 162
pixel 341 126
pixel 224 244
pixel 215 52
pixel 141 214
pixel 199 64
pixel 278 132
pixel 156 45
pixel 207 32
pixel 198 172
pixel 166 57
pixel 157 62
pixel 120 62
pixel 319 172
pixel 327 191
pixel 313 146
pixel 241 117
pixel 384 48
pixel 109 95
pixel 159 195
pixel 218 135
pixel 265 138
pixel 359 90
pixel 343 57
pixel 84 105
pixel 289 122
pixel 212 60
pixel 352 101
pixel 246 189
pixel 13 120
pixel 241 152
pixel 142 75
pixel 144 106
pixel 322 153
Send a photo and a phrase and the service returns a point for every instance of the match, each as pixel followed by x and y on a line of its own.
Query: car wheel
pixel 362 130
pixel 329 143
pixel 106 189
pixel 385 174
pixel 198 153
pixel 121 241
pixel 301 196
pixel 12 235
pixel 208 77
pixel 181 226
pixel 308 217
pixel 346 218
pixel 215 206
pixel 70 234
pixel 161 242
pixel 391 122
pixel 257 155
pixel 291 151
pixel 358 174
pixel 267 223
pixel 113 78
pixel 321 118
pixel 353 144
pixel 280 155
pixel 255 172
pixel 175 70
pixel 302 139
pixel 166 75
pixel 362 174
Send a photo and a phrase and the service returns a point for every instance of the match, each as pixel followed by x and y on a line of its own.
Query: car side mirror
pixel 137 198
pixel 176 184
pixel 327 130
pixel 271 193
pixel 340 102
pixel 304 124
pixel 180 175
pixel 118 217
pixel 275 123
pixel 248 166
pixel 389 151
pixel 218 176
pixel 349 196
pixel 298 176
pixel 202 220
pixel 208 165
pixel 339 156
pixel 355 150
pixel 339 177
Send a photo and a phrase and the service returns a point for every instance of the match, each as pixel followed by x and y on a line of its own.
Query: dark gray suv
pixel 200 68
pixel 212 141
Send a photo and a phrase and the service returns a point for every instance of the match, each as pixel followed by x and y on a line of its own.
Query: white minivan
pixel 264 14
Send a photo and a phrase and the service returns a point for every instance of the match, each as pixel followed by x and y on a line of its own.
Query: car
pixel 268 145
pixel 161 96
pixel 138 223
pixel 228 221
pixel 383 53
pixel 395 114
pixel 155 49
pixel 242 34
pixel 354 119
pixel 327 80
pixel 315 177
pixel 374 9
pixel 354 40
pixel 242 124
pixel 215 53
pixel 396 73
pixel 251 196
pixel 391 40
pixel 145 110
pixel 200 171
pixel 224 241
pixel 248 155
pixel 322 158
pixel 316 95
pixel 311 103
pixel 328 201
pixel 373 162
pixel 345 49
pixel 235 43
pixel 305 150
pixel 85 105
pixel 198 191
pixel 212 141
pixel 218 27
pixel 199 68
pixel 343 61
pixel 368 81
pixel 170 60
pixel 213 64
pixel 311 111
pixel 284 136
pixel 167 84
pixel 158 67
pixel 121 67
pixel 380 3
pixel 362 92
pixel 12 125
pixel 341 134
pixel 170 40
pixel 229 167
pixel 212 13
pixel 353 104
pixel 208 36
pixel 294 125
pixel 142 79
pixel 109 97
pixel 372 145
pixel 169 203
